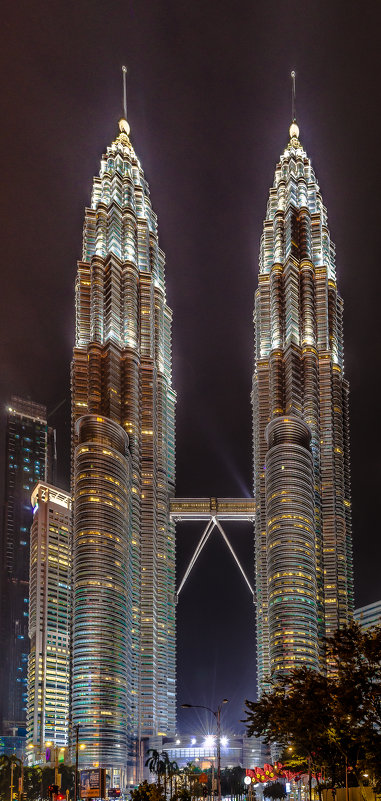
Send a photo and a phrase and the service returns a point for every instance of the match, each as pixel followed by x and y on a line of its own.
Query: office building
pixel 201 750
pixel 49 620
pixel 28 441
pixel 369 615
pixel 303 543
pixel 124 470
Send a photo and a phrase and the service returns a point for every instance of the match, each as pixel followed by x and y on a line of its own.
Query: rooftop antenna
pixel 124 71
pixel 293 76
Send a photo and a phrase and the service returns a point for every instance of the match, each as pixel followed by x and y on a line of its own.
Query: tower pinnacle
pixel 294 128
pixel 123 124
pixel 293 76
pixel 124 71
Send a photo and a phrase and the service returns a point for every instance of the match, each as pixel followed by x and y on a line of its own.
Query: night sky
pixel 209 109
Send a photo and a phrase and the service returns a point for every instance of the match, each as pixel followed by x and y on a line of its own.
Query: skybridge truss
pixel 213 511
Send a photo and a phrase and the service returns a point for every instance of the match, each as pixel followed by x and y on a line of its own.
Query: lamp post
pixel 76 762
pixel 217 715
pixel 11 787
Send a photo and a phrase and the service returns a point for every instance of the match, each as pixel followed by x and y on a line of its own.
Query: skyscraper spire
pixel 124 71
pixel 294 127
pixel 293 112
pixel 123 124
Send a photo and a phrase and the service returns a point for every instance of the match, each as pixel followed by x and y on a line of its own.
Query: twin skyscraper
pixel 123 411
pixel 123 456
pixel 303 539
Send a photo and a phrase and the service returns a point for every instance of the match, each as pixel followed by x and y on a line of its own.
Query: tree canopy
pixel 147 792
pixel 274 790
pixel 328 722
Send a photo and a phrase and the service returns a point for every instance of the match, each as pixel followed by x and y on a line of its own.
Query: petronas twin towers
pixel 123 455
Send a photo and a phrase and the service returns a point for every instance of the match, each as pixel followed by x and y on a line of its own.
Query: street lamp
pixel 76 727
pixel 217 715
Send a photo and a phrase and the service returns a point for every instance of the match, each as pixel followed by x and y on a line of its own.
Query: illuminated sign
pixel 93 783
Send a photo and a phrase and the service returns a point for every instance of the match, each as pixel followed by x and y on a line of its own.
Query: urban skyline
pixel 121 382
pixel 330 131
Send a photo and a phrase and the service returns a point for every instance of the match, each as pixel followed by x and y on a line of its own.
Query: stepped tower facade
pixel 303 541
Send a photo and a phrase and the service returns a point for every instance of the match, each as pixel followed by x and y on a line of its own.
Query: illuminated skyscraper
pixel 49 619
pixel 123 473
pixel 29 442
pixel 304 575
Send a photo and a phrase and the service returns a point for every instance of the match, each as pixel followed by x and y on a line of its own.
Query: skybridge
pixel 213 511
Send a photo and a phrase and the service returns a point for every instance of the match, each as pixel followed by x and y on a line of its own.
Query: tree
pixel 67 779
pixel 5 774
pixel 32 782
pixel 47 779
pixel 154 763
pixel 275 790
pixel 183 794
pixel 328 721
pixel 232 781
pixel 147 792
pixel 172 771
pixel 158 762
pixel 164 767
pixel 296 712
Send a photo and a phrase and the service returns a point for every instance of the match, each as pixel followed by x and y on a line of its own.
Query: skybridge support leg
pixel 218 524
pixel 204 538
pixel 212 522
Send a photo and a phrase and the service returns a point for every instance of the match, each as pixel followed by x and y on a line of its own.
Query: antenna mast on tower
pixel 293 76
pixel 124 71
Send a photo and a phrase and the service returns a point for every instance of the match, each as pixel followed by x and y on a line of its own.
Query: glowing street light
pixel 217 715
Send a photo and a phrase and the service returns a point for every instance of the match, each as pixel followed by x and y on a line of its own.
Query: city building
pixel 201 750
pixel 369 615
pixel 12 746
pixel 303 542
pixel 49 620
pixel 123 669
pixel 28 442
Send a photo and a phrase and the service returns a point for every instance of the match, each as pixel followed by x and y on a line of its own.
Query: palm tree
pixel 165 763
pixel 154 763
pixel 188 772
pixel 173 770
pixel 6 772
